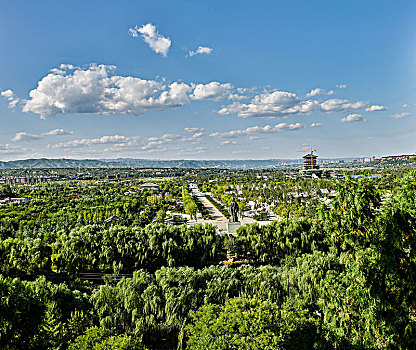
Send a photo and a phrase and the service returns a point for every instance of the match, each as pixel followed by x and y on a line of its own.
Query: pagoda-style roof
pixel 309 156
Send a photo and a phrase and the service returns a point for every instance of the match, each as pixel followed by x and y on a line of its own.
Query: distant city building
pixel 310 166
pixel 148 186
pixel 310 162
pixel 400 157
pixel 23 180
pixel 12 201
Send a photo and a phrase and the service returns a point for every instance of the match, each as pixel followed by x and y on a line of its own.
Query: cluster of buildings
pixel 145 187
pixel 24 180
pixel 6 202
pixel 400 158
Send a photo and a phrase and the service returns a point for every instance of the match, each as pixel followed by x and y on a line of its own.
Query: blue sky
pixel 207 80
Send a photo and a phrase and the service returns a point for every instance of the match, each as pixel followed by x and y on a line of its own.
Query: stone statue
pixel 233 211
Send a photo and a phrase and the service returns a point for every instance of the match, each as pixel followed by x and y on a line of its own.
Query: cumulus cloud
pixel 319 91
pixel 315 125
pixel 95 90
pixel 196 150
pixel 8 148
pixel 104 140
pixel 7 93
pixel 375 108
pixel 57 132
pixel 271 104
pixel 400 115
pixel 353 118
pixel 338 105
pixel 197 135
pixel 192 130
pixel 157 142
pixel 24 136
pixel 212 91
pixel 118 143
pixel 228 142
pixel 172 143
pixel 157 42
pixel 341 86
pixel 201 50
pixel 405 105
pixel 259 129
pixel 66 66
pixel 280 104
pixel 11 97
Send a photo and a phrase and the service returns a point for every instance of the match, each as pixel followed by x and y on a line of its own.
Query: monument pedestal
pixel 232 226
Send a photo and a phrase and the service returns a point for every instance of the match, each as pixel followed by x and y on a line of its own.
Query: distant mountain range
pixel 154 163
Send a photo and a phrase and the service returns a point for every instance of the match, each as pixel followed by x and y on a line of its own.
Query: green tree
pixel 6 191
pixel 96 338
pixel 160 215
pixel 250 324
pixel 20 314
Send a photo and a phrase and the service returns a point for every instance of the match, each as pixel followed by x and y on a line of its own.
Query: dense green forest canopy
pixel 334 275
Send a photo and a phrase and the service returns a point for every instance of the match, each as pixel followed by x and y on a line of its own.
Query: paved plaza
pixel 218 219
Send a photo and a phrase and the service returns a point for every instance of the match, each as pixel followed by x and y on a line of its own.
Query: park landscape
pixel 208 175
pixel 324 272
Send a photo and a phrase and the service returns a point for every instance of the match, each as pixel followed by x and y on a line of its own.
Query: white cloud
pixel 11 149
pixel 156 142
pixel 196 150
pixel 57 132
pixel 104 140
pixel 315 125
pixel 279 104
pixel 67 66
pixel 341 86
pixel 127 144
pixel 259 129
pixel 227 142
pixel 202 50
pixel 57 71
pixel 157 42
pixel 319 91
pixel 271 104
pixel 241 152
pixel 353 118
pixel 198 135
pixel 405 105
pixel 14 102
pixel 24 136
pixel 192 130
pixel 94 90
pixel 400 115
pixel 164 138
pixel 7 93
pixel 375 108
pixel 11 97
pixel 338 105
pixel 212 91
